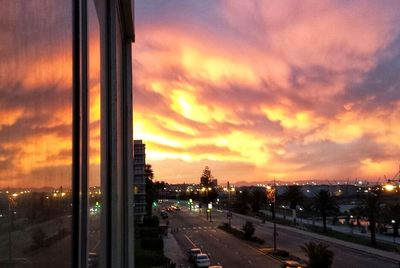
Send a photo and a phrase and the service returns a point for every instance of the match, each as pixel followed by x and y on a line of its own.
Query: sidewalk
pixel 378 252
pixel 173 251
pixel 341 228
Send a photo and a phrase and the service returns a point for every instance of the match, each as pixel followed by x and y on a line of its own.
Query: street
pixel 292 241
pixel 191 229
pixel 224 249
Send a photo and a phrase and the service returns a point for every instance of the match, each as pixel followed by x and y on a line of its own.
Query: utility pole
pixel 229 216
pixel 271 196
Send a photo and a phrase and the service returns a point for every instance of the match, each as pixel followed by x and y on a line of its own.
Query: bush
pixel 147 232
pixel 319 255
pixel 152 244
pixel 248 230
pixel 151 221
pixel 281 253
pixel 150 259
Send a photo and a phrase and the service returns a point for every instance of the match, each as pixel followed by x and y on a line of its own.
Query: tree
pixel 294 196
pixel 151 195
pixel 324 204
pixel 318 255
pixel 241 204
pixel 205 177
pixel 248 230
pixel 371 206
pixel 258 198
pixel 393 217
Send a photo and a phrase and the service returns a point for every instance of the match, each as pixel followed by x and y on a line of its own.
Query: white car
pixel 193 253
pixel 202 260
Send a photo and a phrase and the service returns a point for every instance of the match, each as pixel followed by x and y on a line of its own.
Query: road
pixel 223 248
pixel 292 241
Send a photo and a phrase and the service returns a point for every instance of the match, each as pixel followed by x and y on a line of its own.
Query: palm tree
pixel 150 189
pixel 318 255
pixel 371 206
pixel 294 196
pixel 324 204
pixel 393 216
pixel 258 198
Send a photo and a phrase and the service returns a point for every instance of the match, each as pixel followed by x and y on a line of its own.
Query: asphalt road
pixel 292 241
pixel 224 249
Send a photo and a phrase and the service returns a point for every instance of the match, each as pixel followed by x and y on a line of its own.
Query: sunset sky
pixel 264 89
pixel 256 90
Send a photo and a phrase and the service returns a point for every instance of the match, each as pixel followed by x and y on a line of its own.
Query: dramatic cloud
pixel 253 89
pixel 263 89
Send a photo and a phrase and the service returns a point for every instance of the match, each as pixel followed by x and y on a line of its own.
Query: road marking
pixel 250 262
pixel 190 241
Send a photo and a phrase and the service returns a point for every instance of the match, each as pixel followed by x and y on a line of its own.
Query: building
pixel 139 179
pixel 77 58
pixel 214 183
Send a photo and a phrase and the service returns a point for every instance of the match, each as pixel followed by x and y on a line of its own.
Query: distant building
pixel 139 179
pixel 214 183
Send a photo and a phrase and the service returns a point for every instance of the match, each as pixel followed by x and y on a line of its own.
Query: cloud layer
pixel 263 89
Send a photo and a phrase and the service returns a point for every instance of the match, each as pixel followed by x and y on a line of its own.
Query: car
pixel 193 253
pixel 291 264
pixel 93 259
pixel 164 215
pixel 202 260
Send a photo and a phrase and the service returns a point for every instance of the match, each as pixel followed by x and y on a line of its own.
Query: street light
pixel 271 197
pixel 389 187
pixel 394 236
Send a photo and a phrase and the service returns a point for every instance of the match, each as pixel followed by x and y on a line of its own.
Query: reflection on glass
pixel 35 133
pixel 95 200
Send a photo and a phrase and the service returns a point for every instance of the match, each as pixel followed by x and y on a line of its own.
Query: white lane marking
pixel 190 241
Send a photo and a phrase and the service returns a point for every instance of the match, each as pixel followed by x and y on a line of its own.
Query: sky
pixel 256 90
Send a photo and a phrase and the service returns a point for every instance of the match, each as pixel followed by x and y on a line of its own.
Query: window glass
pixel 95 188
pixel 35 133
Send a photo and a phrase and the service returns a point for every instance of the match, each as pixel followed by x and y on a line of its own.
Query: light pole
pixel 394 235
pixel 271 196
pixel 209 209
pixel 229 215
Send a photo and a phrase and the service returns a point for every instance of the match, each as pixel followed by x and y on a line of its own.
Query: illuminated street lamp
pixel 389 187
pixel 271 197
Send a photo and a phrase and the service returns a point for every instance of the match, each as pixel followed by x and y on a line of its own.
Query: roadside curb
pixel 172 250
pixel 362 248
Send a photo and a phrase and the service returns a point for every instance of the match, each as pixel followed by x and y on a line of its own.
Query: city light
pixel 389 187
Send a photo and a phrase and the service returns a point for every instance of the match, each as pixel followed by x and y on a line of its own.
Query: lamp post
pixel 394 236
pixel 209 208
pixel 229 215
pixel 271 196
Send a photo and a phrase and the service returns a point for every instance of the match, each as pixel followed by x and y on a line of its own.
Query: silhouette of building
pixel 139 179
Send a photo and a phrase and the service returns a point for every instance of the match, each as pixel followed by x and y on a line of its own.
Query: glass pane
pixel 95 200
pixel 35 133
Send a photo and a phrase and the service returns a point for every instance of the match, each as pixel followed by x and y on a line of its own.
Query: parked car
pixel 93 259
pixel 164 215
pixel 202 260
pixel 192 253
pixel 291 264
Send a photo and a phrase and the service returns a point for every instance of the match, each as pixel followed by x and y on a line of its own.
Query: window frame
pixel 117 214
